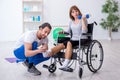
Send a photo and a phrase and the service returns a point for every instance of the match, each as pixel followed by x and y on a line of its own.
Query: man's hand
pixel 43 47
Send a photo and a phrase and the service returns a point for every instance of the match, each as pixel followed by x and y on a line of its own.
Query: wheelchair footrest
pixel 45 66
pixel 67 69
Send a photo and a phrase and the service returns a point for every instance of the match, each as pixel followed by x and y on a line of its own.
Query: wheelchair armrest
pixel 66 33
pixel 87 34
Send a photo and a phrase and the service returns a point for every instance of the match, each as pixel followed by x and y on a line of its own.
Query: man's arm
pixel 30 52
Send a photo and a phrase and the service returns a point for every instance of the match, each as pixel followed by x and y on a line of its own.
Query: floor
pixel 16 71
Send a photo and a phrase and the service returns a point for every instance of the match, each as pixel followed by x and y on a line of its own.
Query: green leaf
pixel 112 20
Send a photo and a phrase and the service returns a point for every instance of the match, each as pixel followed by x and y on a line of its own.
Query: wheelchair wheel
pixel 80 72
pixel 52 68
pixel 95 56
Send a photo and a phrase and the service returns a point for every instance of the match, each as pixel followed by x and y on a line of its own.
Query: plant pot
pixel 115 30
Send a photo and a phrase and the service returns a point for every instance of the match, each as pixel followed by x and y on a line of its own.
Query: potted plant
pixel 112 21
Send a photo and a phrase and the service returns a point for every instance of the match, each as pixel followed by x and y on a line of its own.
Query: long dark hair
pixel 74 8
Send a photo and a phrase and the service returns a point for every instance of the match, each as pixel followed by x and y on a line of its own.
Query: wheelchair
pixel 92 49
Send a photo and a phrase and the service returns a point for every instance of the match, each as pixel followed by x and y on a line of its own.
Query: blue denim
pixel 36 59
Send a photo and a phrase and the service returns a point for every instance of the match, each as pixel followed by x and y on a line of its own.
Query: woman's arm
pixel 84 24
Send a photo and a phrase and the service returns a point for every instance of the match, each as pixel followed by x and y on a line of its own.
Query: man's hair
pixel 45 25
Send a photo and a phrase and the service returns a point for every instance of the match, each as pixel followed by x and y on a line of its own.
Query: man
pixel 27 47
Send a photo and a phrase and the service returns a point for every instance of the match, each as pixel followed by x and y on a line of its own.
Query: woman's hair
pixel 45 25
pixel 74 8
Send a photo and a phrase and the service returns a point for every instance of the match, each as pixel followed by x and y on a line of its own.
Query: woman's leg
pixel 68 55
pixel 56 49
pixel 68 52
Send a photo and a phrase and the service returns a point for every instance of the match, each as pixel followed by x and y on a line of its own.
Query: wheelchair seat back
pixel 90 30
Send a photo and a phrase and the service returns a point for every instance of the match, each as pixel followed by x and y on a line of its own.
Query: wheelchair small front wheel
pixel 95 56
pixel 52 68
pixel 80 72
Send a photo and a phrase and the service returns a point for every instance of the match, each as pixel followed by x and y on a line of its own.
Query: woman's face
pixel 75 13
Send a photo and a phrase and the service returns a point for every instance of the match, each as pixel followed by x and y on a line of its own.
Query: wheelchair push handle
pixel 95 22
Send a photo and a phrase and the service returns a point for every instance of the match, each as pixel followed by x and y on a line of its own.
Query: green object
pixel 56 33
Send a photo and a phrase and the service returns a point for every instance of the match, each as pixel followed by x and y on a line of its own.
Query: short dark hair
pixel 45 25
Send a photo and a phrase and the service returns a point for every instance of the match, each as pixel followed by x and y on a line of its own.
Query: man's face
pixel 43 33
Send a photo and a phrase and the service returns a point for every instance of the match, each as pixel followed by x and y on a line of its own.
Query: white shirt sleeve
pixel 29 37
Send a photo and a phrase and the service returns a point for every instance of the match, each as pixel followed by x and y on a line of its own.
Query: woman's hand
pixel 84 17
pixel 61 32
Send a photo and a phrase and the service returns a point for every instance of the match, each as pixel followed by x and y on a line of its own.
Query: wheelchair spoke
pixel 95 56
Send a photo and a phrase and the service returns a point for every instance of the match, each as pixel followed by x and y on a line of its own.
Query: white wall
pixel 55 11
pixel 10 19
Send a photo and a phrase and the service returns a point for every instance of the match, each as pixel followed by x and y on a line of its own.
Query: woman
pixel 76 27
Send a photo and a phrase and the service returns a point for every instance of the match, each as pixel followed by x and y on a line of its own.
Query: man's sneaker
pixel 34 70
pixel 25 63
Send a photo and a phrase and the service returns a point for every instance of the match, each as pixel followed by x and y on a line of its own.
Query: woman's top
pixel 76 30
